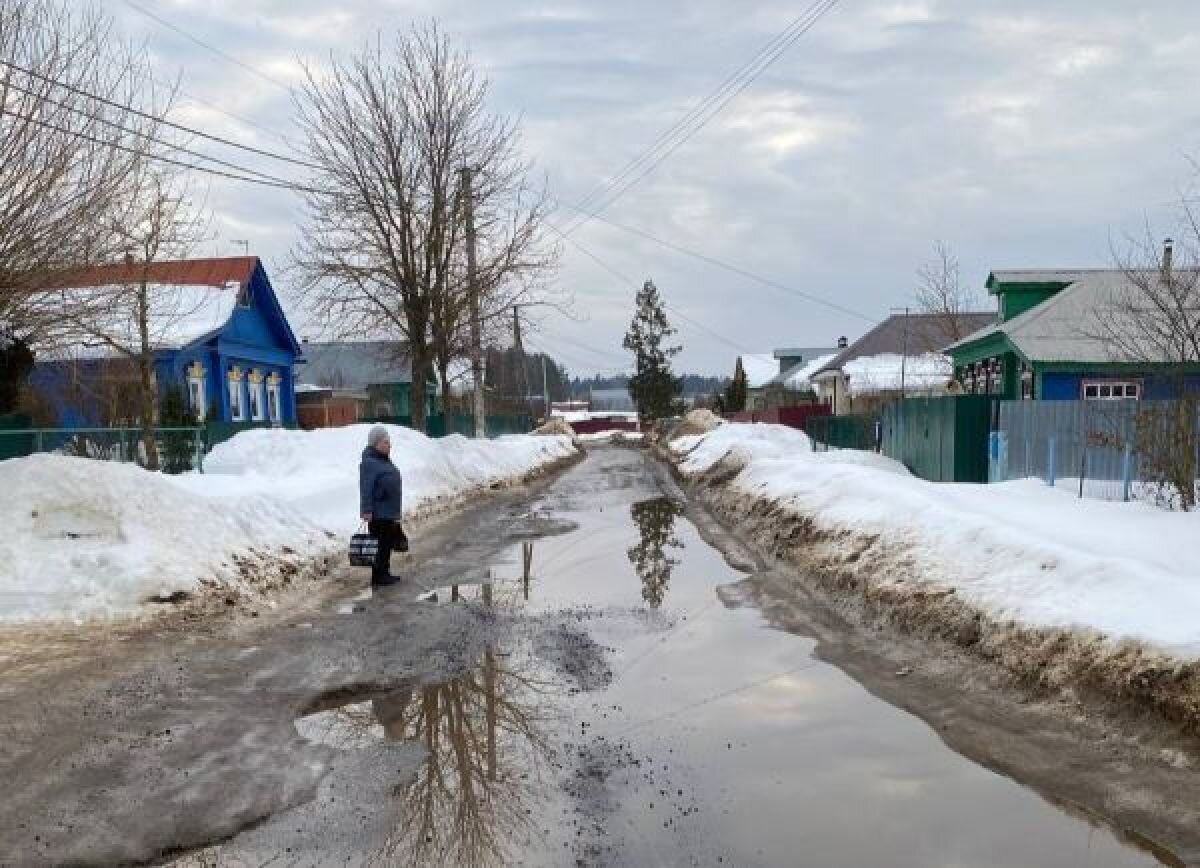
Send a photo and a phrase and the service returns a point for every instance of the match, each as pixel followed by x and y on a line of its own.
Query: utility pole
pixel 545 391
pixel 519 346
pixel 468 199
pixel 904 353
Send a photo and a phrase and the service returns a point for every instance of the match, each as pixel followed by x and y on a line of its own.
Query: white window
pixel 197 399
pixel 237 410
pixel 273 399
pixel 255 390
pixel 1112 390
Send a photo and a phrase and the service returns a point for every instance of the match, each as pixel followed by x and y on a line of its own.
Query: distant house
pixel 899 357
pixel 358 379
pixel 218 333
pixel 781 378
pixel 1049 344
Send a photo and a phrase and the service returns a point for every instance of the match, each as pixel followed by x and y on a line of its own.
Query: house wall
pixel 1068 385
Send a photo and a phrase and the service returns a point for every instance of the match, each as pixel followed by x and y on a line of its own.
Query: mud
pixel 608 676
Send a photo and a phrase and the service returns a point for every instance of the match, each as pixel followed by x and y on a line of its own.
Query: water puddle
pixel 480 794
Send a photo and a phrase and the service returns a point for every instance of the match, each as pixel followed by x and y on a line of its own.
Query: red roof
pixel 182 272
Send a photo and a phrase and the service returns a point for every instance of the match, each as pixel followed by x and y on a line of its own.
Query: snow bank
pixel 1020 551
pixel 92 539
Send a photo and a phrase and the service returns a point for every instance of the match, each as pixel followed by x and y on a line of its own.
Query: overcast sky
pixel 1020 132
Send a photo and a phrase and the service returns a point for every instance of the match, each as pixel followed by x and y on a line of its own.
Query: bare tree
pixel 382 249
pixel 940 291
pixel 130 316
pixel 1150 317
pixel 69 147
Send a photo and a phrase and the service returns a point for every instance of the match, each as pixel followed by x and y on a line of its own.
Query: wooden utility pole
pixel 468 201
pixel 545 390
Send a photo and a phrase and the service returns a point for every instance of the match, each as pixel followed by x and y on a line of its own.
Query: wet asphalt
pixel 570 677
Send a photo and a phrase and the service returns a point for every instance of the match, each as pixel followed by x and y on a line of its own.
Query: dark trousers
pixel 383 530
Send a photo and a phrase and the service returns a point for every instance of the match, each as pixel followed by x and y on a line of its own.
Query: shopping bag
pixel 363 548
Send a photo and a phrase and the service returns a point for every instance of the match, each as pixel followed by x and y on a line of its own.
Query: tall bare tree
pixel 940 291
pixel 382 249
pixel 129 316
pixel 69 148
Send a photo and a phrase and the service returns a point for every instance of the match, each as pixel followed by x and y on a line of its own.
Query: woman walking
pixel 380 491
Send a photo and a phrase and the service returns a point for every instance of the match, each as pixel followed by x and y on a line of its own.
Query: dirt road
pixel 650 695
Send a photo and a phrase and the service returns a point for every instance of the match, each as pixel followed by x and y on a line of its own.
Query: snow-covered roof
pixel 799 378
pixel 759 368
pixel 177 317
pixel 1077 324
pixel 870 375
pixel 909 334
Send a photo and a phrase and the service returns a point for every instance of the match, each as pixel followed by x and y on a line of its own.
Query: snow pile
pixel 1020 551
pixel 698 421
pixel 868 375
pixel 91 538
pixel 555 427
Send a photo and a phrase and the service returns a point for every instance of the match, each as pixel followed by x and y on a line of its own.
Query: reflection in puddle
pixel 655 521
pixel 473 798
pixel 500 594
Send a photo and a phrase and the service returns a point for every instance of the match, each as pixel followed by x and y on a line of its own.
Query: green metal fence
pixel 179 449
pixel 943 439
pixel 843 432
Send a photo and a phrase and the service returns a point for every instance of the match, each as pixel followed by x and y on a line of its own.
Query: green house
pixel 1049 342
pixel 381 370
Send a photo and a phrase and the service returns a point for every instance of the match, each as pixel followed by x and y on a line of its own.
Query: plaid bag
pixel 363 548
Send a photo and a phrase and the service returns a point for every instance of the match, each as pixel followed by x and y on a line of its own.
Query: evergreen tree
pixel 735 394
pixel 653 387
pixel 177 446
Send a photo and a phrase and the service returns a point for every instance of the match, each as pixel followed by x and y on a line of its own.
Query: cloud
pixel 1021 133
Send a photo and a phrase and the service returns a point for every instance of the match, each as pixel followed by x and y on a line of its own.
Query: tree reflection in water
pixel 655 520
pixel 476 793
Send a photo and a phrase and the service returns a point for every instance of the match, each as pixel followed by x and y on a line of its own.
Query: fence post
pixel 37 441
pixel 198 445
pixel 1052 461
pixel 1082 470
pixel 1126 472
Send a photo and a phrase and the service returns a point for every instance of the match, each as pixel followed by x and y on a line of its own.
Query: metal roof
pixel 354 364
pixel 911 334
pixel 1074 325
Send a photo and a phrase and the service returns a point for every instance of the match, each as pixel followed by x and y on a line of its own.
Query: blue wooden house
pixel 218 332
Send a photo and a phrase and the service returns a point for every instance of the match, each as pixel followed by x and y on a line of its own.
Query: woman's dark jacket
pixel 380 488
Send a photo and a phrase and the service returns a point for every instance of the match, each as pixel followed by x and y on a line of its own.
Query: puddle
pixel 479 796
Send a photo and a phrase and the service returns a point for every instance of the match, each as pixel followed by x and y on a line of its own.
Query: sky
pixel 1020 133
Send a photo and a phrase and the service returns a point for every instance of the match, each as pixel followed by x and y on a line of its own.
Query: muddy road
pixel 586 673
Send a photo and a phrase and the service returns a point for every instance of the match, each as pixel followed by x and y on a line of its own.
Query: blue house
pixel 217 330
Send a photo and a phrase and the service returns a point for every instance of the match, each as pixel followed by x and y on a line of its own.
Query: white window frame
pixel 1111 390
pixel 237 407
pixel 274 408
pixel 254 391
pixel 197 391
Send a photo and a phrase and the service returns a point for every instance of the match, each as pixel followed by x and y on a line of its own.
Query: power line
pixel 217 51
pixel 712 105
pixel 625 279
pixel 157 118
pixel 147 136
pixel 735 269
pixel 159 157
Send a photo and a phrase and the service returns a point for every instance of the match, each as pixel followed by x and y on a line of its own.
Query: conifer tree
pixel 653 387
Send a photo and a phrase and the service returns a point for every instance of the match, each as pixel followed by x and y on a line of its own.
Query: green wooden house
pixel 1049 343
pixel 380 370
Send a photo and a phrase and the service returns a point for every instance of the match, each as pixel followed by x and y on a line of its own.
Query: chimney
pixel 843 343
pixel 1168 255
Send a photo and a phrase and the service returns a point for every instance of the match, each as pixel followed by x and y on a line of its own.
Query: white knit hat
pixel 378 435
